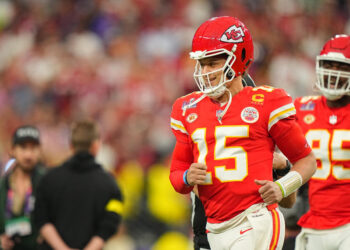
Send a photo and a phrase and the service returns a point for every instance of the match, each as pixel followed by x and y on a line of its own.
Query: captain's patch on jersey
pixel 191 117
pixel 258 99
pixel 250 114
pixel 308 119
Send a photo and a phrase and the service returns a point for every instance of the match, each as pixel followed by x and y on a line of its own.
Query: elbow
pixel 313 163
pixel 181 188
pixel 185 190
pixel 179 185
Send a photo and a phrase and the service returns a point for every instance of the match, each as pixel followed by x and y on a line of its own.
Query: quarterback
pixel 225 138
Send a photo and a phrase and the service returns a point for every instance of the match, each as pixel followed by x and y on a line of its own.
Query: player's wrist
pixel 289 183
pixel 284 171
pixel 185 178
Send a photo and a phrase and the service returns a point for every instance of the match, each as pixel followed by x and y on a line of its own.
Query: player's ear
pixel 95 147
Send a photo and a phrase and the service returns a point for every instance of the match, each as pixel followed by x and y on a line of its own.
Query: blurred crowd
pixel 123 63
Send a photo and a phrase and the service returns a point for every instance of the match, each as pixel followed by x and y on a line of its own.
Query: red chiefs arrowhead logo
pixel 243 231
pixel 233 34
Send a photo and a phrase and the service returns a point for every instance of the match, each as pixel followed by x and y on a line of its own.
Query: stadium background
pixel 123 63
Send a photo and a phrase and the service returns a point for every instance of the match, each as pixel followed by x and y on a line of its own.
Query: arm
pixel 291 141
pixel 184 174
pixel 96 243
pixel 272 192
pixel 180 174
pixel 51 236
pixel 110 215
pixel 281 166
pixel 6 242
pixel 288 201
pixel 181 161
pixel 41 217
pixel 41 208
pixel 306 167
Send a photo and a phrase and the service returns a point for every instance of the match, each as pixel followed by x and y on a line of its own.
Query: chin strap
pixel 221 115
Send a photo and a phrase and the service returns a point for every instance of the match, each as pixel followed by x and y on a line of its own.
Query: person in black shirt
pixel 78 204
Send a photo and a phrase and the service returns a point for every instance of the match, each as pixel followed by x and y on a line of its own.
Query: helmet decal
pixel 233 34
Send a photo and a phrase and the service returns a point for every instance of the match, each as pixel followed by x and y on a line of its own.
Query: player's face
pixel 215 65
pixel 332 65
pixel 27 155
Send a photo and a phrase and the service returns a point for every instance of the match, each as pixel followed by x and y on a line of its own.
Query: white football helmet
pixel 334 82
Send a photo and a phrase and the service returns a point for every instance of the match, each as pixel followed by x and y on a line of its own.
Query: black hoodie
pixel 74 197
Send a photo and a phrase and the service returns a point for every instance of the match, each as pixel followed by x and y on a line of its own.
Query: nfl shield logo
pixel 333 119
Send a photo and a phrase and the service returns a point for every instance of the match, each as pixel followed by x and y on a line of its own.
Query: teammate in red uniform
pixel 225 139
pixel 325 121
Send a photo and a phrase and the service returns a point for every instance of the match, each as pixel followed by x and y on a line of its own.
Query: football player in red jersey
pixel 225 138
pixel 325 121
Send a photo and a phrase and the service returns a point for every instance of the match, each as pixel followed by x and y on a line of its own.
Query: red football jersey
pixel 236 151
pixel 328 132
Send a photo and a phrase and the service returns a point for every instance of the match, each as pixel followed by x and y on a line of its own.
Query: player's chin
pixel 28 166
pixel 216 97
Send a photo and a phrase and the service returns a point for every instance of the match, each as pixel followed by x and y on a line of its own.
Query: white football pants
pixel 331 239
pixel 261 229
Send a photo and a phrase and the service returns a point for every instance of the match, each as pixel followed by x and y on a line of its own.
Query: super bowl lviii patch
pixel 307 106
pixel 188 104
pixel 250 114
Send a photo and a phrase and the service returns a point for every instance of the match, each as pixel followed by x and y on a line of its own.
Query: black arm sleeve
pixel 112 214
pixel 41 213
pixel 3 196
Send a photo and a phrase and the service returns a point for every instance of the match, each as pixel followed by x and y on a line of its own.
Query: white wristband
pixel 289 183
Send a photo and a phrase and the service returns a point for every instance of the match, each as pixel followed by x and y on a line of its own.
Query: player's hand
pixel 6 242
pixel 269 191
pixel 196 174
pixel 279 161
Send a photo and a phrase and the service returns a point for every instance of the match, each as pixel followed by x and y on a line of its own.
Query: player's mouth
pixel 332 84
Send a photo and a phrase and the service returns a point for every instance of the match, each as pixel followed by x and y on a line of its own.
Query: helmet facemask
pixel 203 79
pixel 333 83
